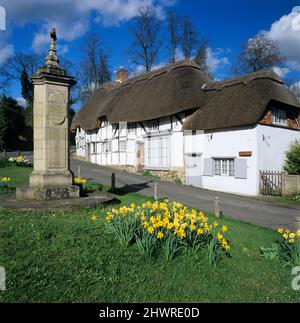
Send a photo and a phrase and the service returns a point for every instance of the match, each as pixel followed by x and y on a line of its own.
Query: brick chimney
pixel 121 75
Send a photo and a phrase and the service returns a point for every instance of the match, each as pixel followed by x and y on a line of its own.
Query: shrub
pixel 178 181
pixel 287 247
pixel 169 227
pixel 147 173
pixel 292 162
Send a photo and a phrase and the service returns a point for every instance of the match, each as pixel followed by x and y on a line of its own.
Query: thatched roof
pixel 239 102
pixel 166 91
pixel 181 87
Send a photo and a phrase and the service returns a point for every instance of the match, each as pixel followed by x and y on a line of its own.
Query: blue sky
pixel 226 25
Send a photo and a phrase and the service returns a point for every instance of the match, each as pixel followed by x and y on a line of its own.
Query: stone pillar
pixel 51 177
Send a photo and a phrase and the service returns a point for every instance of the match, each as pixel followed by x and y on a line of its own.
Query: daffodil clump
pixel 20 161
pixel 167 226
pixel 289 246
pixel 5 184
pixel 79 180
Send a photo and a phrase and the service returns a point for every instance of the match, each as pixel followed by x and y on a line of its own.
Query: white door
pixel 193 170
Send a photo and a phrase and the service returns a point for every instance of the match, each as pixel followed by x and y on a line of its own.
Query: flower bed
pixel 167 227
pixel 286 247
pixel 4 184
pixel 20 161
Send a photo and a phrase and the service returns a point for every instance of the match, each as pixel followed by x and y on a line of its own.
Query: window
pixel 123 145
pixel 131 127
pixel 159 152
pixel 153 125
pixel 279 117
pixel 107 147
pixel 93 148
pixel 224 167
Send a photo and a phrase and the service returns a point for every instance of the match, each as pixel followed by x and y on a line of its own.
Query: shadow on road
pixel 133 188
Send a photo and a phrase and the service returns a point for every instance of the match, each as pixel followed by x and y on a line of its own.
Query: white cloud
pixel 281 71
pixel 286 32
pixel 22 102
pixel 216 58
pixel 72 17
pixel 5 52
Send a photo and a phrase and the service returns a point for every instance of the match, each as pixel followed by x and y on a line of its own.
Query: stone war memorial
pixel 51 177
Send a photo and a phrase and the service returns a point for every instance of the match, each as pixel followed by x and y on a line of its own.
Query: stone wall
pixel 171 175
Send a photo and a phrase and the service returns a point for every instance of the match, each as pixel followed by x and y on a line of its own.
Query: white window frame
pixel 107 147
pixel 122 148
pixel 279 117
pixel 158 152
pixel 223 167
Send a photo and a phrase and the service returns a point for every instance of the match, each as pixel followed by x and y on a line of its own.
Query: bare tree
pixel 173 23
pixel 257 54
pixel 146 44
pixel 201 59
pixel 189 37
pixel 94 67
pixel 17 65
pixel 14 66
pixel 294 87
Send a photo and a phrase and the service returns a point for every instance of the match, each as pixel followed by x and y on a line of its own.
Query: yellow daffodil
pixel 224 229
pixel 94 218
pixel 160 235
pixel 150 230
pixel 280 230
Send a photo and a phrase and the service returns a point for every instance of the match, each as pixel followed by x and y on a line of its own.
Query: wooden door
pixel 140 157
pixel 193 170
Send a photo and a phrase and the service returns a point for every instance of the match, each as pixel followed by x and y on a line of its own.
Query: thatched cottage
pixel 177 124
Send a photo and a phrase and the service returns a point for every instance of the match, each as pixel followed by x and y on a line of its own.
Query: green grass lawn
pixel 19 175
pixel 66 257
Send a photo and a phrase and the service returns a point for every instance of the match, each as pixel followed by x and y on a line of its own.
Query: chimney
pixel 121 75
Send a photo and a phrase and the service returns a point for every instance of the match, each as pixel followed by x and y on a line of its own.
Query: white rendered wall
pixel 228 144
pixel 272 144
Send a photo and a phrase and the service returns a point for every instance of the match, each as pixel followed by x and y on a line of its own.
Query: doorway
pixel 193 170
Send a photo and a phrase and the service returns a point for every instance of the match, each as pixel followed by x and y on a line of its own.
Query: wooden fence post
pixel 261 188
pixel 113 181
pixel 283 184
pixel 217 209
pixel 155 191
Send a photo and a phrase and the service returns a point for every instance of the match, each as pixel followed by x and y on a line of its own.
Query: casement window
pixel 93 148
pixel 131 127
pixel 158 152
pixel 224 167
pixel 229 167
pixel 122 145
pixel 153 125
pixel 279 117
pixel 107 147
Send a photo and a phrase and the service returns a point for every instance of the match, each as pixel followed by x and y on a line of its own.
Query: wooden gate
pixel 270 183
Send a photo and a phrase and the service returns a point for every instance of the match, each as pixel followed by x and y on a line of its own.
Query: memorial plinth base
pixel 47 193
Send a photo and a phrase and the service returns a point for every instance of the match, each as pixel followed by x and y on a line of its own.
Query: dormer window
pixel 153 125
pixel 279 117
